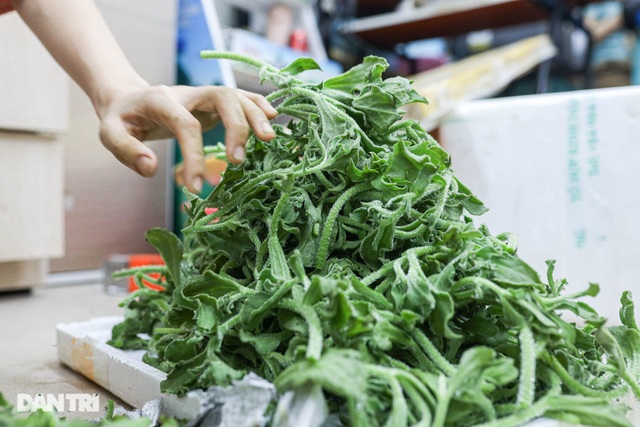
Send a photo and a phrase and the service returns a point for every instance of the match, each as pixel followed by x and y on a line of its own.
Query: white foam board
pixel 83 347
pixel 561 172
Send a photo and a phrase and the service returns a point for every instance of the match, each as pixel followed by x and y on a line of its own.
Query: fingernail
pixel 196 184
pixel 144 165
pixel 266 128
pixel 238 153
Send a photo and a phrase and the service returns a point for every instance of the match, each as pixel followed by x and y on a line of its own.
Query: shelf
pixel 447 18
pixel 371 7
pixel 443 19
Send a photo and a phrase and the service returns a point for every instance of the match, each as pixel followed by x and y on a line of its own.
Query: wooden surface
pixel 446 18
pixel 27 341
pixel 22 274
pixel 33 88
pixel 31 197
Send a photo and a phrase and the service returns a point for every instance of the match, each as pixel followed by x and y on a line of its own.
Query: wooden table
pixel 28 356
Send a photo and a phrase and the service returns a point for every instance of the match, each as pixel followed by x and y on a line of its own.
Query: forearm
pixel 78 38
pixel 130 110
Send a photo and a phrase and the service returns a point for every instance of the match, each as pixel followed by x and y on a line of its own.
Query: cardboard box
pixel 562 171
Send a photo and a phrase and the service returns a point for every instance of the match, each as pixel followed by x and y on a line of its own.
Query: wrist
pixel 103 96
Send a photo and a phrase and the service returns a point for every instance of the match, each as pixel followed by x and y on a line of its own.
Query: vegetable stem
pixel 217 54
pixel 432 353
pixel 526 388
pixel 323 248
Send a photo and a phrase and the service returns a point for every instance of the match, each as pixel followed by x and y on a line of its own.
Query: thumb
pixel 130 151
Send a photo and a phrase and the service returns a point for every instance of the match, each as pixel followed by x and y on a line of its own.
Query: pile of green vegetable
pixel 343 253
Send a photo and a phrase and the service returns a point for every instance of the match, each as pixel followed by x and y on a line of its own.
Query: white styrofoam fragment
pixel 83 347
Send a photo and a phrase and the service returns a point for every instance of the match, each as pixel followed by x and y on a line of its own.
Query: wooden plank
pixel 478 76
pixel 33 88
pixel 31 197
pixel 22 274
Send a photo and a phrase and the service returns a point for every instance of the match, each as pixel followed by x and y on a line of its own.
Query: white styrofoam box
pixel 31 197
pixel 33 88
pixel 83 347
pixel 562 171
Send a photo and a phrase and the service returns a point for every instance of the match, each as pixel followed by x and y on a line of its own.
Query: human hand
pixel 130 110
pixel 183 112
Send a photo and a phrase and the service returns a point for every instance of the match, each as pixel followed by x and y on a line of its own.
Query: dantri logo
pixel 71 402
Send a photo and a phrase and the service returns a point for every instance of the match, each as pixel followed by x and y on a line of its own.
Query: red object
pixel 141 260
pixel 209 211
pixel 298 40
pixel 5 6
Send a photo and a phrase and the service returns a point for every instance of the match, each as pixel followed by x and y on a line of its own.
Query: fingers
pixel 238 110
pixel 128 150
pixel 166 110
pixel 161 107
pixel 138 116
pixel 257 118
pixel 231 112
pixel 261 102
pixel 236 139
pixel 183 111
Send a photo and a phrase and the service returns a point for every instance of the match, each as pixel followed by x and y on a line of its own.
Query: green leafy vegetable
pixel 343 254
